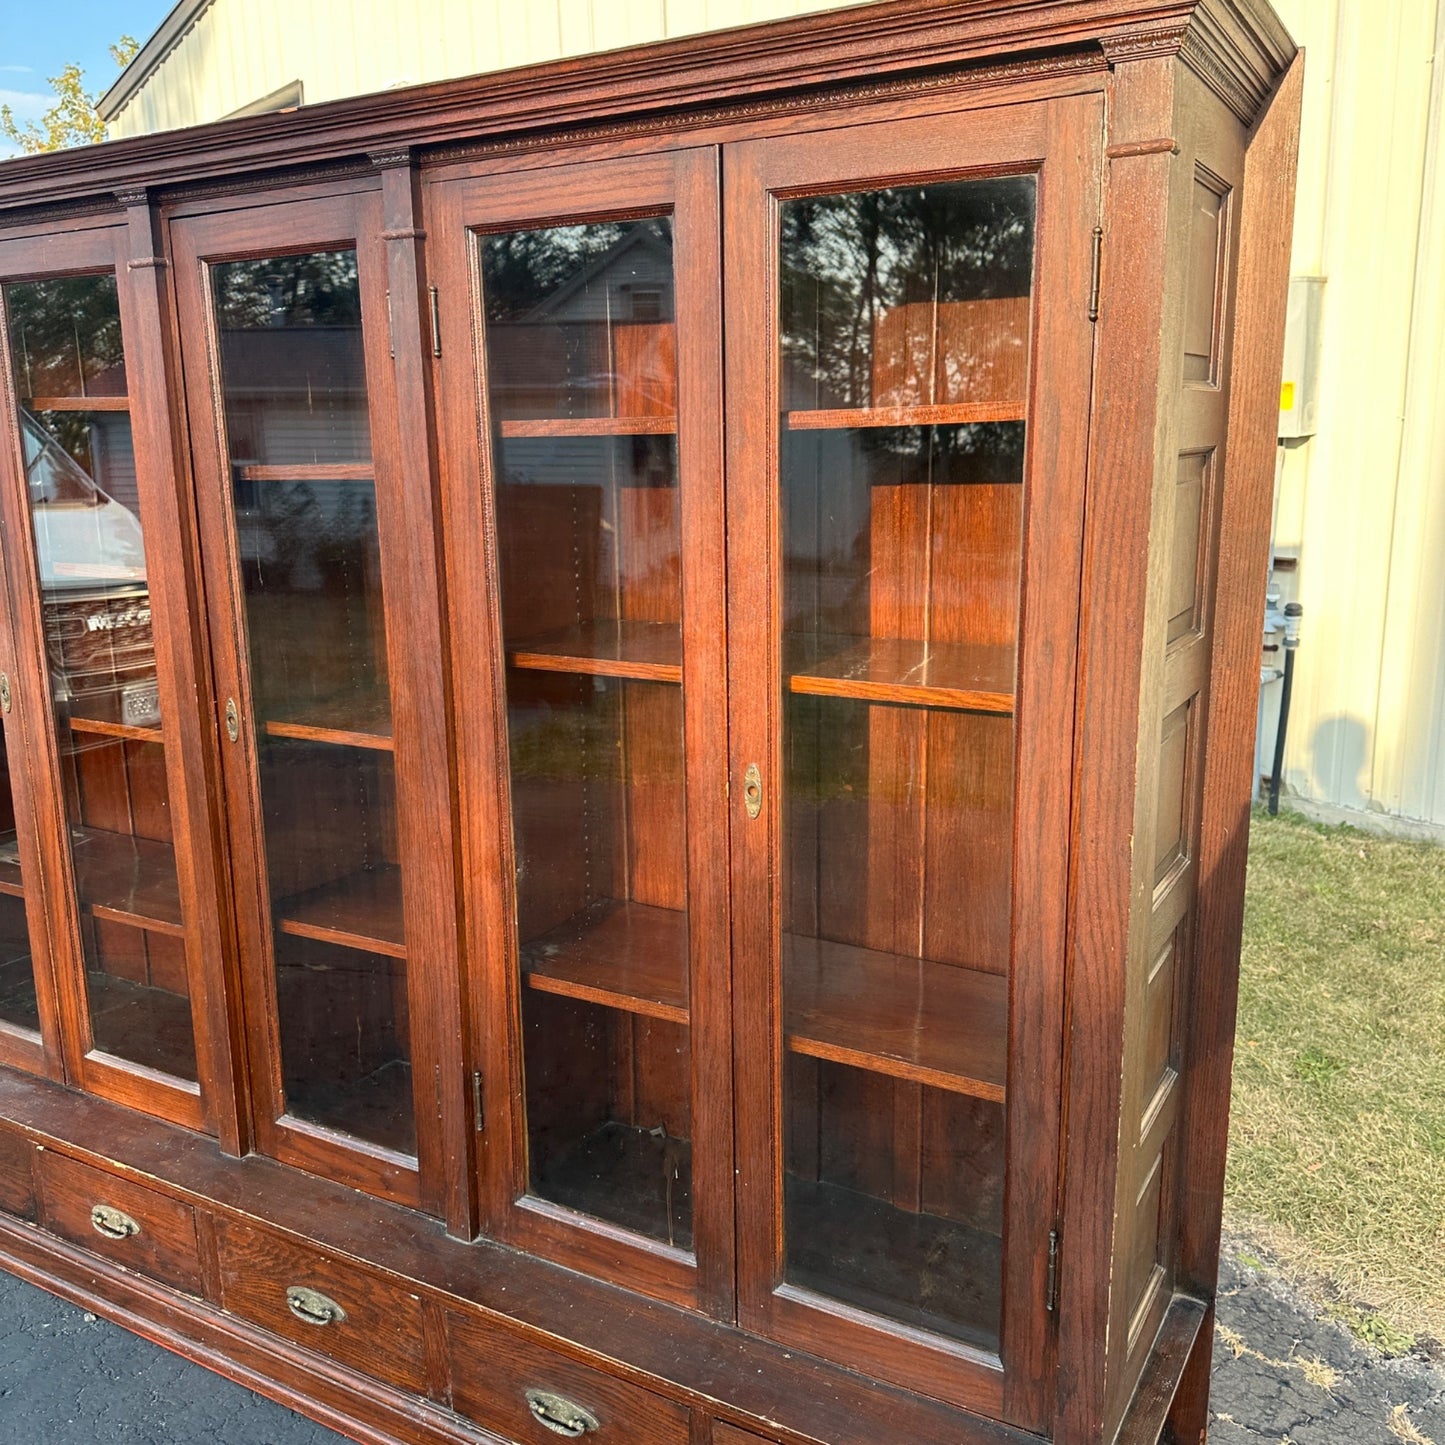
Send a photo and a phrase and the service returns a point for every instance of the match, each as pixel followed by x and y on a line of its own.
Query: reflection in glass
pixel 304 502
pixel 90 557
pixel 904 348
pixel 582 378
pixel 65 338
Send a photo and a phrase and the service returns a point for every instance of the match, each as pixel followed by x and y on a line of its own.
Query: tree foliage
pixel 73 120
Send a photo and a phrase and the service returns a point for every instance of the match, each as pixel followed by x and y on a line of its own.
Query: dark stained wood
pixel 969 676
pixel 947 414
pixel 933 1023
pixel 492 1369
pixel 164 1247
pixel 646 651
pixel 17 1182
pixel 1226 781
pixel 380 1331
pixel 626 955
pixel 360 722
pixel 77 403
pixel 129 879
pixel 958 816
pixel 359 910
pixel 590 426
pixel 307 472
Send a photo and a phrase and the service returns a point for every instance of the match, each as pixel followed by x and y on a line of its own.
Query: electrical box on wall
pixel 1299 384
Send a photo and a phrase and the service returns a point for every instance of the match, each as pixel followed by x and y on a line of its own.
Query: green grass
pixel 1337 1139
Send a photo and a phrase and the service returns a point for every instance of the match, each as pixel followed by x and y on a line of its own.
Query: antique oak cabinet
pixel 628 699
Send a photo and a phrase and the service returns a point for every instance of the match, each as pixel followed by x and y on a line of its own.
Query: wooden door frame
pixel 684 184
pixel 296 222
pixel 1060 141
pixel 111 245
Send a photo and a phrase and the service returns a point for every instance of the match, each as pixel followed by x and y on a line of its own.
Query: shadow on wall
pixel 1338 762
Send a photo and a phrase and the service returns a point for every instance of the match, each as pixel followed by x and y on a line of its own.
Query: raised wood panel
pixel 1206 279
pixel 1188 556
pixel 1171 813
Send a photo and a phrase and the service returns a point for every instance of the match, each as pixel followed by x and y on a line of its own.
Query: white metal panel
pixel 1364 501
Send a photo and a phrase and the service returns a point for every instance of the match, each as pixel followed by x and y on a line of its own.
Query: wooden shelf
pixel 949 414
pixel 125 879
pixel 104 727
pixel 306 472
pixel 627 956
pixel 932 1023
pixel 644 651
pixel 919 1269
pixel 10 880
pixel 354 722
pixel 76 403
pixel 362 910
pixel 969 677
pixel 590 426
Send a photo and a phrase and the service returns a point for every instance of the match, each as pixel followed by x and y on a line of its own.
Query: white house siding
pixel 238 51
pixel 1362 504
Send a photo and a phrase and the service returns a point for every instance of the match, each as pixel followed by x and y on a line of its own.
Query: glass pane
pixel 580 361
pixel 18 1006
pixel 65 339
pixel 304 498
pixel 904 340
pixel 91 560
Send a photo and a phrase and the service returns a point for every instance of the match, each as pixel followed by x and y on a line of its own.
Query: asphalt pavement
pixel 1281 1377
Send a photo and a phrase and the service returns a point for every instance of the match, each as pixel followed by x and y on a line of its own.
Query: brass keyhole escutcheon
pixel 5 691
pixel 753 790
pixel 233 719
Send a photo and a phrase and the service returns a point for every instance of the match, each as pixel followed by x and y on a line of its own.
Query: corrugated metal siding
pixel 1363 502
pixel 240 50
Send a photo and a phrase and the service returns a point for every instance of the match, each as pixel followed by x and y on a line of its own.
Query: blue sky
pixel 39 37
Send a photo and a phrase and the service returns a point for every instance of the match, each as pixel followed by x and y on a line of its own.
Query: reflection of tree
pixel 63 333
pixel 525 268
pixel 319 288
pixel 847 259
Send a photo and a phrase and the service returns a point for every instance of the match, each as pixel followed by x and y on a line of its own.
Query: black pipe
pixel 1292 614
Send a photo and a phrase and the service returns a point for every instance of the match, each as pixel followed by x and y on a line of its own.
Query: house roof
pixel 171 32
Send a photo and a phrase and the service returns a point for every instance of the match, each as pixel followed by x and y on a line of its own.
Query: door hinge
pixel 478 1116
pixel 1051 1298
pixel 436 322
pixel 1094 280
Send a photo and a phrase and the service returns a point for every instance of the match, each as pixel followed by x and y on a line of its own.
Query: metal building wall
pixel 237 51
pixel 1362 504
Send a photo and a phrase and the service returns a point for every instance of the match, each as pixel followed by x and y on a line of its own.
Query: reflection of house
pixel 295 394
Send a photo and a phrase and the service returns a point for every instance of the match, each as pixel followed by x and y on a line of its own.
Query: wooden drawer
pixel 725 1434
pixel 493 1369
pixel 17 1184
pixel 291 1289
pixel 148 1232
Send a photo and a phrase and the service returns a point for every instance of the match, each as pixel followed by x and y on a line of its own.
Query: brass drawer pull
pixel 112 1223
pixel 312 1306
pixel 560 1415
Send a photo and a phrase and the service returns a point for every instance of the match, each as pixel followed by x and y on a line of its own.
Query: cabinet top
pixel 1237 47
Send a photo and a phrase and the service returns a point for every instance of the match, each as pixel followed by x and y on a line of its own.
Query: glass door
pixel 322 621
pixel 902 693
pixel 594 293
pixel 95 532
